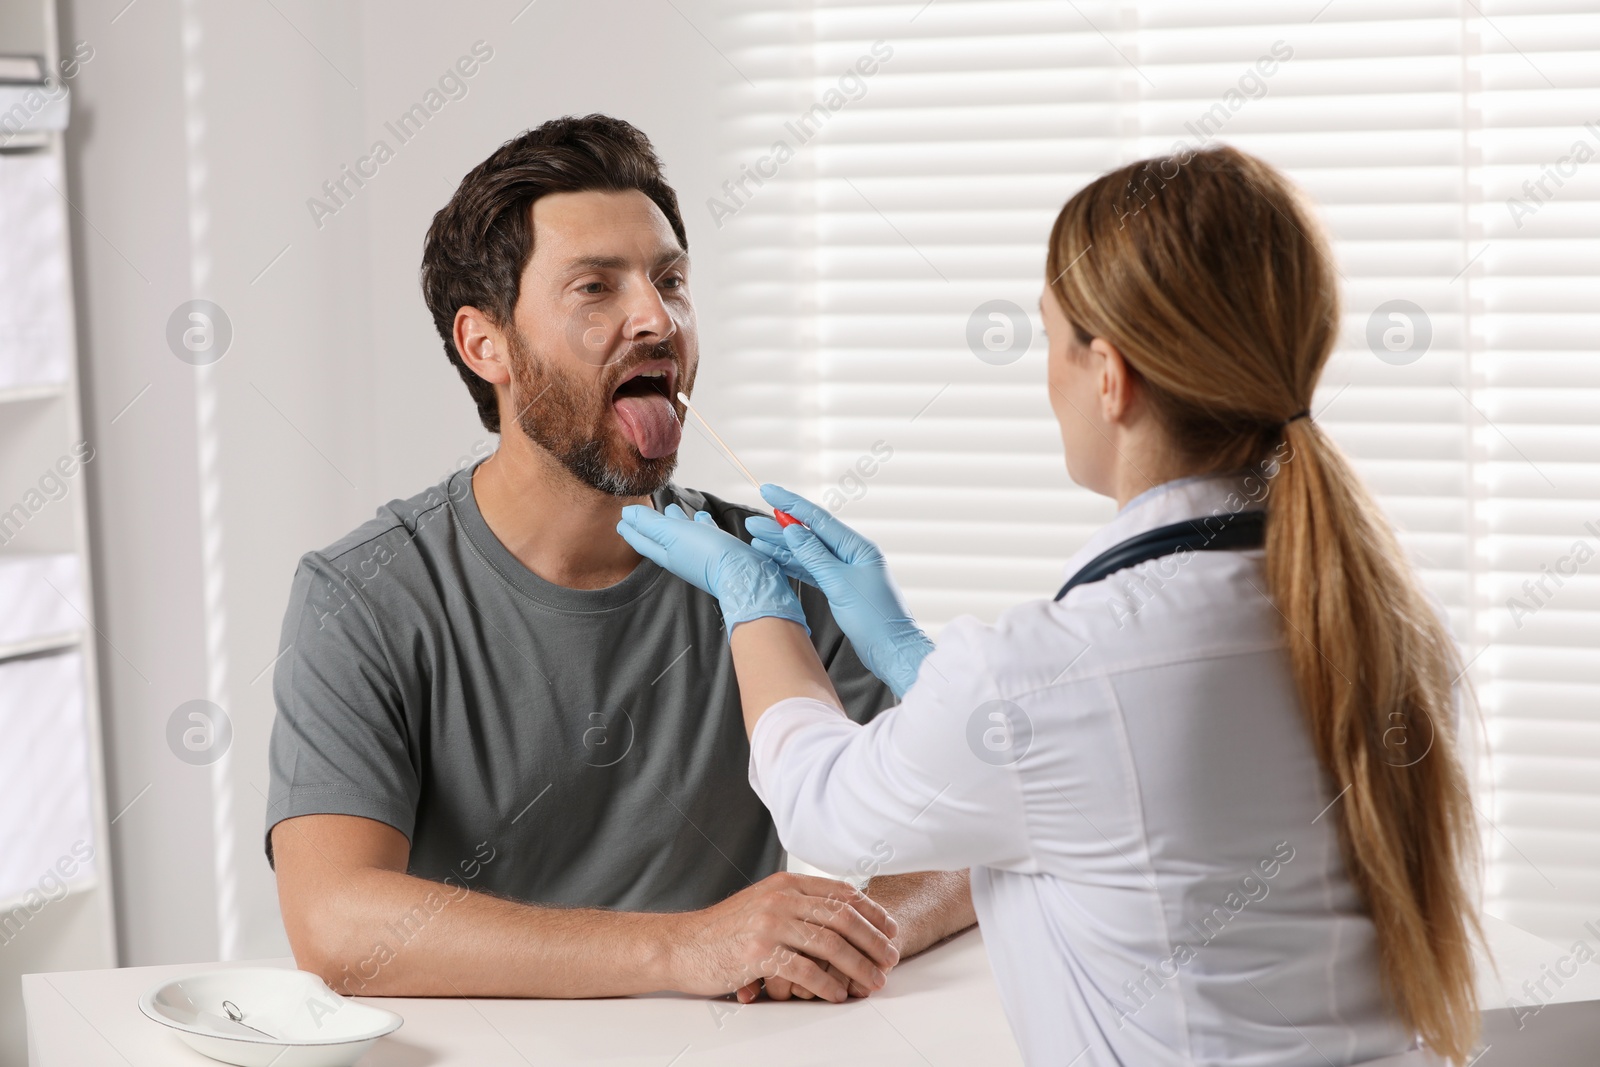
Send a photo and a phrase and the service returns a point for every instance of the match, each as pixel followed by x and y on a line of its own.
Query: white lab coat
pixel 1156 868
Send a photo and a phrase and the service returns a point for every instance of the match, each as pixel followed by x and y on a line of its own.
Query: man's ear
pixel 483 347
pixel 1115 381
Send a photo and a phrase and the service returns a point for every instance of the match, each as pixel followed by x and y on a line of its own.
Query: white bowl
pixel 303 1023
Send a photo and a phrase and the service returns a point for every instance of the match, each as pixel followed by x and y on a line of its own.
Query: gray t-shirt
pixel 552 745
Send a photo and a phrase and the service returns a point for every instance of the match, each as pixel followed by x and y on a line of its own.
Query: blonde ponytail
pixel 1216 284
pixel 1375 667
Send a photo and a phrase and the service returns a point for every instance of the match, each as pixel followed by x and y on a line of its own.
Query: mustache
pixel 644 353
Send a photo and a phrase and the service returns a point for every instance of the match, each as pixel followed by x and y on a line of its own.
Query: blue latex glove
pixel 747 584
pixel 851 571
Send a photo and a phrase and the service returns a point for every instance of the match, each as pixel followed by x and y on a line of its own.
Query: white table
pixel 938 1008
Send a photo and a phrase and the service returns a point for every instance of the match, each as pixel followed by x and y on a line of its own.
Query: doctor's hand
pixel 804 936
pixel 851 571
pixel 746 583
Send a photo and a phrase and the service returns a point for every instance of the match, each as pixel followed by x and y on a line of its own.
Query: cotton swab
pixel 783 517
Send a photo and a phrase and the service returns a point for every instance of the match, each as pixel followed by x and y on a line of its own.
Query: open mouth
pixel 645 406
pixel 646 381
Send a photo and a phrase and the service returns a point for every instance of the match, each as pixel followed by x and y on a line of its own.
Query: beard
pixel 570 419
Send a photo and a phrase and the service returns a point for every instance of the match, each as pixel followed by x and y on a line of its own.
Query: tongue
pixel 650 423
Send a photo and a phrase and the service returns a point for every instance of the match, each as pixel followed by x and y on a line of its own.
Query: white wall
pixel 201 129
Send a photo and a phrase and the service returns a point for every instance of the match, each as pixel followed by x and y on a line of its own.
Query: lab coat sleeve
pixel 910 791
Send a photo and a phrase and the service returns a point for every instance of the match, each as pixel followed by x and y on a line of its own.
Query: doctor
pixel 1208 792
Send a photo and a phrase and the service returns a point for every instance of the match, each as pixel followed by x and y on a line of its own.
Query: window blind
pixel 884 352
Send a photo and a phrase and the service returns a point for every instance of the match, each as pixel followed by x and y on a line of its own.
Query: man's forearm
pixel 367 927
pixel 929 906
pixel 392 934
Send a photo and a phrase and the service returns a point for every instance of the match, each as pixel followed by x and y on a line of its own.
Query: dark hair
pixel 481 240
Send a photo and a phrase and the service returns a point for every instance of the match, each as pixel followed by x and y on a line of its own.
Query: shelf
pixel 17 394
pixel 26 141
pixel 52 761
pixel 35 645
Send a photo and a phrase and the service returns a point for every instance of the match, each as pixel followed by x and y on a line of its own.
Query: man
pixel 508 758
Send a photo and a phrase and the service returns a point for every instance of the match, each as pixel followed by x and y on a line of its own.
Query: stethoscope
pixel 1235 531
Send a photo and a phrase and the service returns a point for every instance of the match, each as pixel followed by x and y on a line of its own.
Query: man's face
pixel 603 338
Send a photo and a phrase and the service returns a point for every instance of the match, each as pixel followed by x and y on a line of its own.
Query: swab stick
pixel 783 517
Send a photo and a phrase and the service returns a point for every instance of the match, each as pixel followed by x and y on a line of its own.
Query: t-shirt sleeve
pixel 340 743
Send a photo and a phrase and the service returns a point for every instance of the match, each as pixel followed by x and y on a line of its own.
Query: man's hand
pixel 795 931
pixel 926 907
